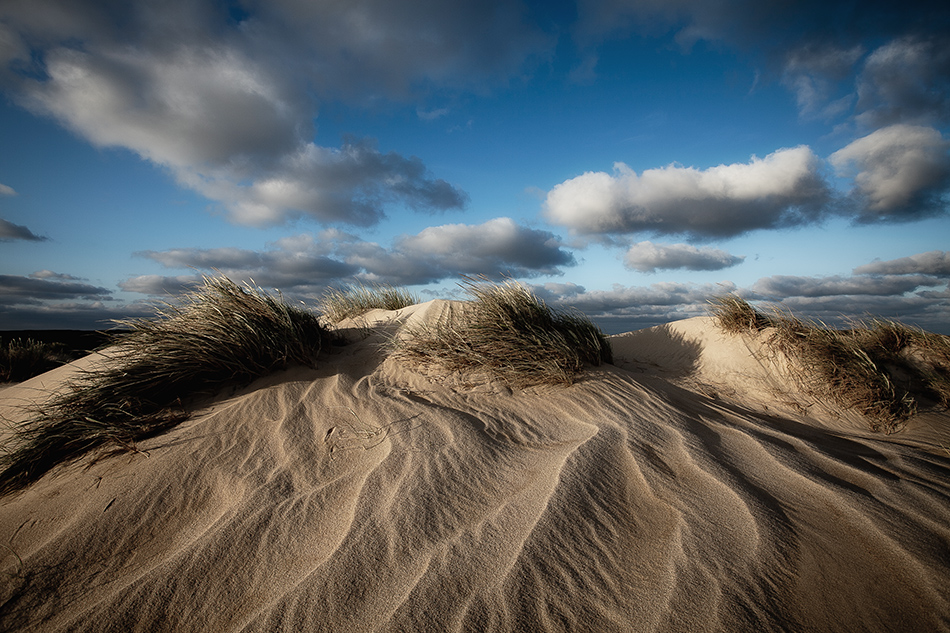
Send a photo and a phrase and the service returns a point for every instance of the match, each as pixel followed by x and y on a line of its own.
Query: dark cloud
pixel 786 188
pixel 906 81
pixel 774 28
pixel 10 231
pixel 29 290
pixel 935 263
pixel 650 257
pixel 306 264
pixel 900 172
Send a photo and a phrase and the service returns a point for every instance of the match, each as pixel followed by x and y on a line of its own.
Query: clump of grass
pixel 880 368
pixel 356 300
pixel 734 314
pixel 219 335
pixel 509 333
pixel 21 359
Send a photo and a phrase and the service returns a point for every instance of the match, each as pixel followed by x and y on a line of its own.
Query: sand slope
pixel 683 490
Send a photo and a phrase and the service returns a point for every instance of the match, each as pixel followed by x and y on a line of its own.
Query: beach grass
pixel 879 367
pixel 21 359
pixel 507 332
pixel 221 334
pixel 355 300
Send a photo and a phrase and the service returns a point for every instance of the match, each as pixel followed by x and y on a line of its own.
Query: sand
pixel 693 486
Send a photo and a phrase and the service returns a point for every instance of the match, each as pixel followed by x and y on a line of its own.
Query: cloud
pixel 31 290
pixel 49 274
pixel 814 72
pixel 649 257
pixel 785 188
pixel 906 81
pixel 901 172
pixel 783 286
pixel 307 264
pixel 6 190
pixel 929 263
pixel 227 101
pixel 158 285
pixel 10 231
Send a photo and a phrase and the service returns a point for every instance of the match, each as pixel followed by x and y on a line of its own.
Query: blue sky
pixel 627 158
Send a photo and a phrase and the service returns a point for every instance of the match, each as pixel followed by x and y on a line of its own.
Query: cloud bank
pixel 305 264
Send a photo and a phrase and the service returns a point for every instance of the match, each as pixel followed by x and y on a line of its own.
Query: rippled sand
pixel 692 487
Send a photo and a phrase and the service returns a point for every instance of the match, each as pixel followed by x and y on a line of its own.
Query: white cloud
pixel 6 190
pixel 929 263
pixel 785 188
pixel 649 257
pixel 900 172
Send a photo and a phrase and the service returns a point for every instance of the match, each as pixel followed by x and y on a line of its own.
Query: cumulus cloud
pixel 226 99
pixel 306 264
pixel 649 257
pixel 10 231
pixel 930 263
pixel 785 188
pixel 901 172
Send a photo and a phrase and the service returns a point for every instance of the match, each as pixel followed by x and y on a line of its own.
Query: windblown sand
pixel 691 487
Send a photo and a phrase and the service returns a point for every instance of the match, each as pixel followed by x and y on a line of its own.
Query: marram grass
pixel 221 334
pixel 356 300
pixel 878 367
pixel 507 332
pixel 21 359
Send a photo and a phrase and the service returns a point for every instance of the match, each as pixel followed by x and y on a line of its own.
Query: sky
pixel 631 159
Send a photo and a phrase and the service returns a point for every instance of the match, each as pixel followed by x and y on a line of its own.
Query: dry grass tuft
pixel 507 332
pixel 353 301
pixel 878 367
pixel 22 359
pixel 220 334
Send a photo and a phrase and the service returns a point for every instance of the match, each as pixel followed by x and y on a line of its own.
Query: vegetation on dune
pixel 220 334
pixel 356 300
pixel 21 359
pixel 509 333
pixel 880 368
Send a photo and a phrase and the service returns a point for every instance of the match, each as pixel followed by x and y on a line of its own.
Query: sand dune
pixel 690 487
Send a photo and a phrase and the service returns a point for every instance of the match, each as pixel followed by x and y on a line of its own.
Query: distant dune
pixel 691 486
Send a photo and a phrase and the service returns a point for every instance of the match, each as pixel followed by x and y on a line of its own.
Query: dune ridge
pixel 689 487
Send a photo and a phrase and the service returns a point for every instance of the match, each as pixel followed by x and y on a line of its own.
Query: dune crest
pixel 690 487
